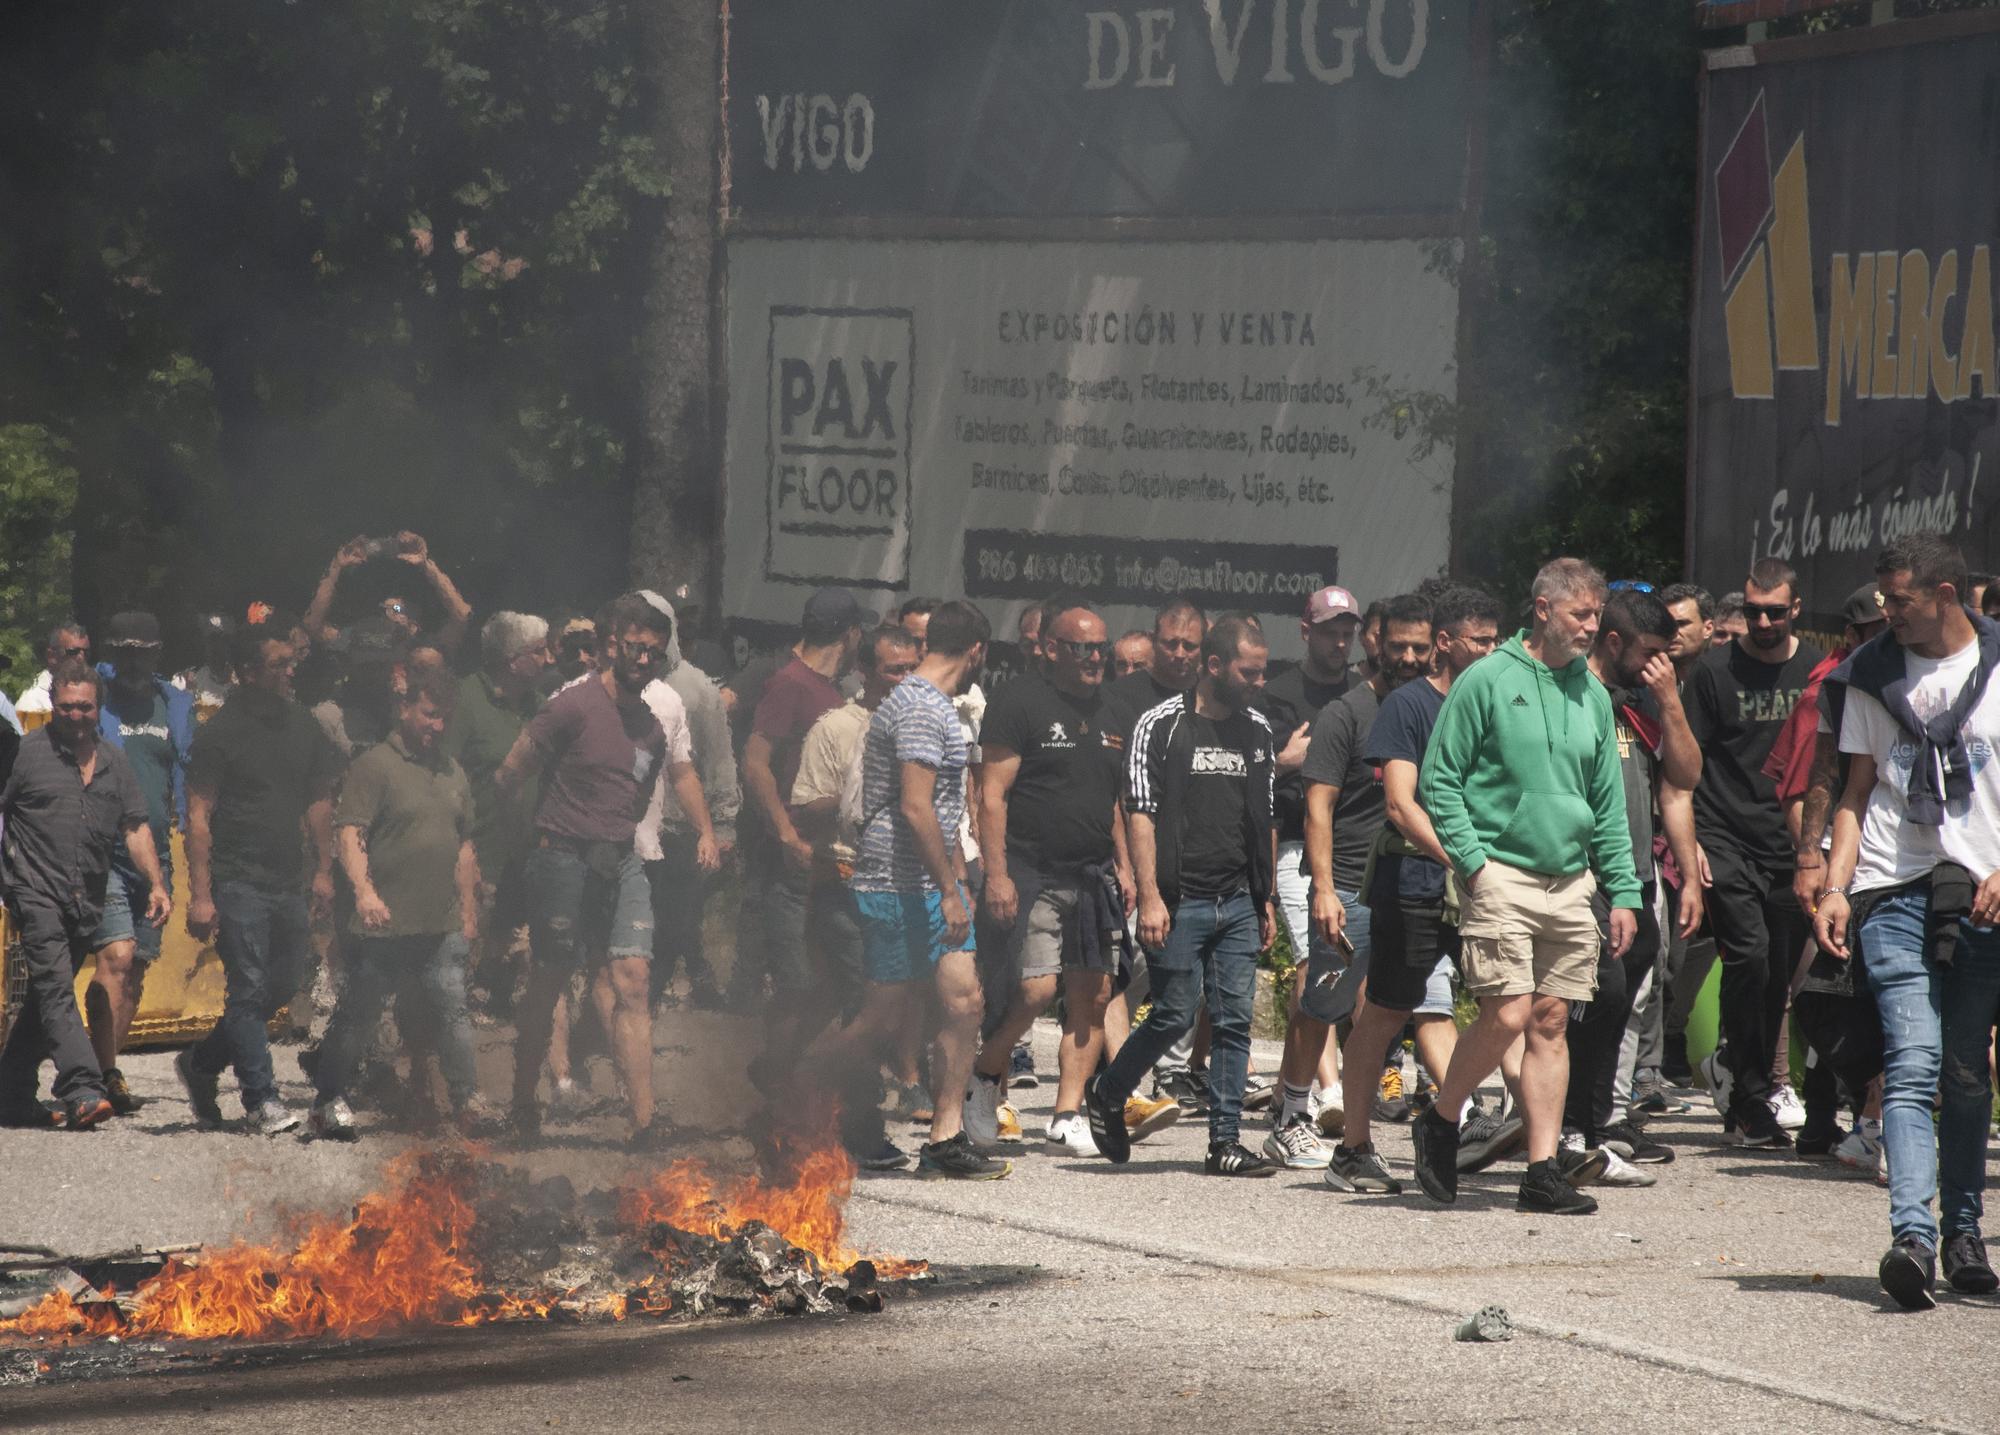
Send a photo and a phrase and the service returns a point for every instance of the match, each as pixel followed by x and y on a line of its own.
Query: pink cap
pixel 1331 603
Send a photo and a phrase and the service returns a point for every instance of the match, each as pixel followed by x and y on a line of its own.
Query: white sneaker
pixel 1786 1106
pixel 1327 1113
pixel 982 1111
pixel 1721 1085
pixel 1069 1136
pixel 273 1119
pixel 1861 1149
pixel 1620 1172
pixel 1298 1147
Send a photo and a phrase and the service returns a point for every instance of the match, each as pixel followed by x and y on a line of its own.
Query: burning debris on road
pixel 453 1240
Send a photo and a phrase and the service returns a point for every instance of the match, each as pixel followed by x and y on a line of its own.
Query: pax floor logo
pixel 841 384
pixel 1900 324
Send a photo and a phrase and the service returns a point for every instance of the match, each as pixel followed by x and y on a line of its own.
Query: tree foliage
pixel 298 271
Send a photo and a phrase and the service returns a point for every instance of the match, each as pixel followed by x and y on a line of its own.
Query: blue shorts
pixel 903 934
pixel 123 918
pixel 580 913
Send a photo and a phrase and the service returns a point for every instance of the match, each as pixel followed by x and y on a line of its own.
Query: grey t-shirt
pixel 1334 758
pixel 61 834
pixel 1638 726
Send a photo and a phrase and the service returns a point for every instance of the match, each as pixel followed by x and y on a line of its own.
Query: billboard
pixel 1239 422
pixel 1844 366
pixel 1096 108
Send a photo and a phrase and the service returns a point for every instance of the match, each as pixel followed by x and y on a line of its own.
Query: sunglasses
pixel 1769 612
pixel 1631 585
pixel 1085 650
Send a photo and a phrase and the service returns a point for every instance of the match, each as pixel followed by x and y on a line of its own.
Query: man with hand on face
pixel 405 828
pixel 1659 767
pixel 1345 812
pixel 1411 944
pixel 1522 786
pixel 152 722
pixel 1055 880
pixel 1913 890
pixel 262 771
pixel 1198 790
pixel 1737 703
pixel 600 748
pixel 69 803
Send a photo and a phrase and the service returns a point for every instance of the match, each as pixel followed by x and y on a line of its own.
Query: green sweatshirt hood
pixel 1523 769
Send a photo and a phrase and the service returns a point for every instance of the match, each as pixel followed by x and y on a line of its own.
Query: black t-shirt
pixel 1340 736
pixel 1288 700
pixel 1126 700
pixel 266 761
pixel 1215 852
pixel 1736 706
pixel 1401 733
pixel 1059 808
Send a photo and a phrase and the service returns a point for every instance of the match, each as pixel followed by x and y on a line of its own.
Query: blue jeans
pixel 1215 938
pixel 1908 993
pixel 427 976
pixel 1971 1003
pixel 265 940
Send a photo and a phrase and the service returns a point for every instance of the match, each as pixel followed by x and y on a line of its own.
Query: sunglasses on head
pixel 1631 585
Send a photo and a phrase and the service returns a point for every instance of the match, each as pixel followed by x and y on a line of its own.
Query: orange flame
pixel 405 1259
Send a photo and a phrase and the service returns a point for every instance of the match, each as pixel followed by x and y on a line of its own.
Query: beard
pixel 1768 638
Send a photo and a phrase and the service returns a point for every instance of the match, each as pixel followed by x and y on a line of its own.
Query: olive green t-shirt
pixel 415 811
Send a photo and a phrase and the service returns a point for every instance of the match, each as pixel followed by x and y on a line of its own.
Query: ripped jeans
pixel 1935 1027
pixel 578 913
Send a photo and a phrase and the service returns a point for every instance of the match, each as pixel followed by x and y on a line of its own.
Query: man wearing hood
pixel 1523 786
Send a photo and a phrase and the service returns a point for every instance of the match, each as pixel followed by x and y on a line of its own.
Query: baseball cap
pixel 1331 603
pixel 833 608
pixel 1863 605
pixel 132 630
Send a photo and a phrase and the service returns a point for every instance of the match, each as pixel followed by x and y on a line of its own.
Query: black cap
pixel 132 630
pixel 834 608
pixel 1863 605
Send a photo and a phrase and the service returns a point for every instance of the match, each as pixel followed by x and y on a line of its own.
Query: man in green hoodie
pixel 1523 786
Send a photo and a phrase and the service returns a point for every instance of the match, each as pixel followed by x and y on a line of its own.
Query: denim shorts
pixel 123 918
pixel 903 934
pixel 578 914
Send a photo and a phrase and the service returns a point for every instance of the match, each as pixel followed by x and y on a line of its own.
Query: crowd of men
pixel 1519 854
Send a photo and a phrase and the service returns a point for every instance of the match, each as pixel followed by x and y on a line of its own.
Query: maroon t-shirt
pixel 600 761
pixel 793 701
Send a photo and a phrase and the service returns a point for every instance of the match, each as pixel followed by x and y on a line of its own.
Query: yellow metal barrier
pixel 183 992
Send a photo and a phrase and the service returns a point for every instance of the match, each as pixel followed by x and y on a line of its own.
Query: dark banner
pixel 1844 341
pixel 1716 14
pixel 1044 108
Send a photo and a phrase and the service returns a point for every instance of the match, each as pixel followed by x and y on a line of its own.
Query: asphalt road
pixel 1738 1293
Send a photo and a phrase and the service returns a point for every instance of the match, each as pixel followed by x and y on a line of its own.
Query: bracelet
pixel 1840 891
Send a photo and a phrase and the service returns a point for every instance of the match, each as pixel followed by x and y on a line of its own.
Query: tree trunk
pixel 677 497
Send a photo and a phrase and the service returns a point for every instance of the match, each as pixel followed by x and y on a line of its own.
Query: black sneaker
pixel 202 1091
pixel 1966 1266
pixel 1107 1123
pixel 1436 1143
pixel 1818 1145
pixel 1184 1087
pixel 1675 1069
pixel 1580 1166
pixel 31 1116
pixel 123 1102
pixel 1485 1138
pixel 1630 1140
pixel 1021 1068
pixel 1358 1168
pixel 1752 1125
pixel 887 1156
pixel 1544 1189
pixel 1233 1158
pixel 957 1159
pixel 1909 1274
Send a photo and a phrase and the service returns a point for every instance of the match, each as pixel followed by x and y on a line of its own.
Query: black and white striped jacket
pixel 1158 762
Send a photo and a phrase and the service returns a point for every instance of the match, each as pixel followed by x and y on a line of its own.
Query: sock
pixel 1297 1102
pixel 1464 1112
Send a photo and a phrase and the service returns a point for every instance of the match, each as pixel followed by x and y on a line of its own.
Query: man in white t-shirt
pixel 1916 847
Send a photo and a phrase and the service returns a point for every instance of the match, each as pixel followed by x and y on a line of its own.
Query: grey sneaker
pixel 328 1121
pixel 1358 1168
pixel 273 1119
pixel 1296 1145
pixel 982 1111
pixel 202 1091
pixel 1484 1139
